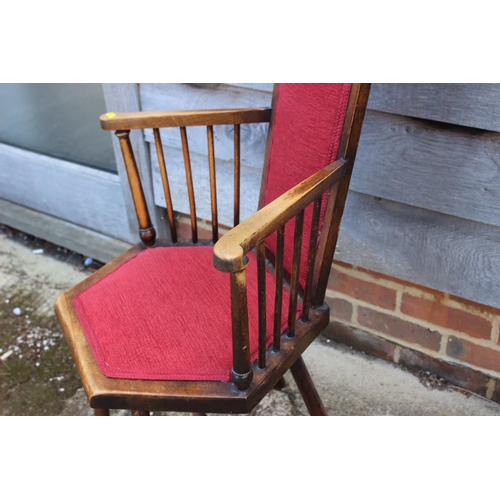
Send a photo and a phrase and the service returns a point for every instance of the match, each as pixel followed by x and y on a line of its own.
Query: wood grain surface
pixel 440 168
pixel 434 250
pixel 84 196
pixel 474 105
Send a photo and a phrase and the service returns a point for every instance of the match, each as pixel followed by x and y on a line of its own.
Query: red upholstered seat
pixel 164 315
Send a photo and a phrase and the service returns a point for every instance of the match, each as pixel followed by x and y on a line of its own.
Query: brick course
pixel 367 291
pixel 474 354
pixel 399 328
pixel 453 337
pixel 441 314
pixel 340 308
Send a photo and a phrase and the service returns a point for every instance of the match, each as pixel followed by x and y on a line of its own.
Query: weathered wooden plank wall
pixel 424 204
pixel 50 186
pixel 469 105
pixel 422 246
pixel 447 169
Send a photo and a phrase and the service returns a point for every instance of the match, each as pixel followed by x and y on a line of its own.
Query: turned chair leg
pixel 196 414
pixel 140 413
pixel 101 412
pixel 307 389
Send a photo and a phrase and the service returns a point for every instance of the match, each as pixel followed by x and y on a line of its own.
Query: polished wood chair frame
pixel 250 382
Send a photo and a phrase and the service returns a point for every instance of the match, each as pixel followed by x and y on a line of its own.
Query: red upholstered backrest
pixel 307 126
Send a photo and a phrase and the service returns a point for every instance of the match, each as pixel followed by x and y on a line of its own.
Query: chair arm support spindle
pixel 311 259
pixel 213 183
pixel 294 282
pixel 242 372
pixel 190 186
pixel 278 297
pixel 166 185
pixel 261 287
pixel 146 230
pixel 237 174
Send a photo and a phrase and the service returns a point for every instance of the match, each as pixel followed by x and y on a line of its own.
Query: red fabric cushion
pixel 165 315
pixel 306 135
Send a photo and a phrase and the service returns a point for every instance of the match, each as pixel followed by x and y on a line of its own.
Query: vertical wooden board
pixel 474 105
pixel 442 168
pixel 434 250
pixel 250 184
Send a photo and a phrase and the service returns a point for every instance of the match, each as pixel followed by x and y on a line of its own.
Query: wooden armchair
pixel 212 326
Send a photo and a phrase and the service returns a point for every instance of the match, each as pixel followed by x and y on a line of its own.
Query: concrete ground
pixel 37 376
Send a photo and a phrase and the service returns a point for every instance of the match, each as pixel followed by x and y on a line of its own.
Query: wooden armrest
pixel 161 119
pixel 230 250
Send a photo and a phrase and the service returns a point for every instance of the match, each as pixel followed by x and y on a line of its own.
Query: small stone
pixel 7 301
pixel 38 250
pixel 17 311
pixel 37 364
pixel 6 355
pixel 61 389
pixel 88 261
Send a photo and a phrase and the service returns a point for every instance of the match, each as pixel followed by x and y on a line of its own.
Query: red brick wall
pixel 395 320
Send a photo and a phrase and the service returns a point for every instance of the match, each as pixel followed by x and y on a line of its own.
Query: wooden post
pixel 146 230
pixel 242 372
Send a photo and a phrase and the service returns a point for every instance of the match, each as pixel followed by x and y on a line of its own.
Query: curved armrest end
pixel 228 255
